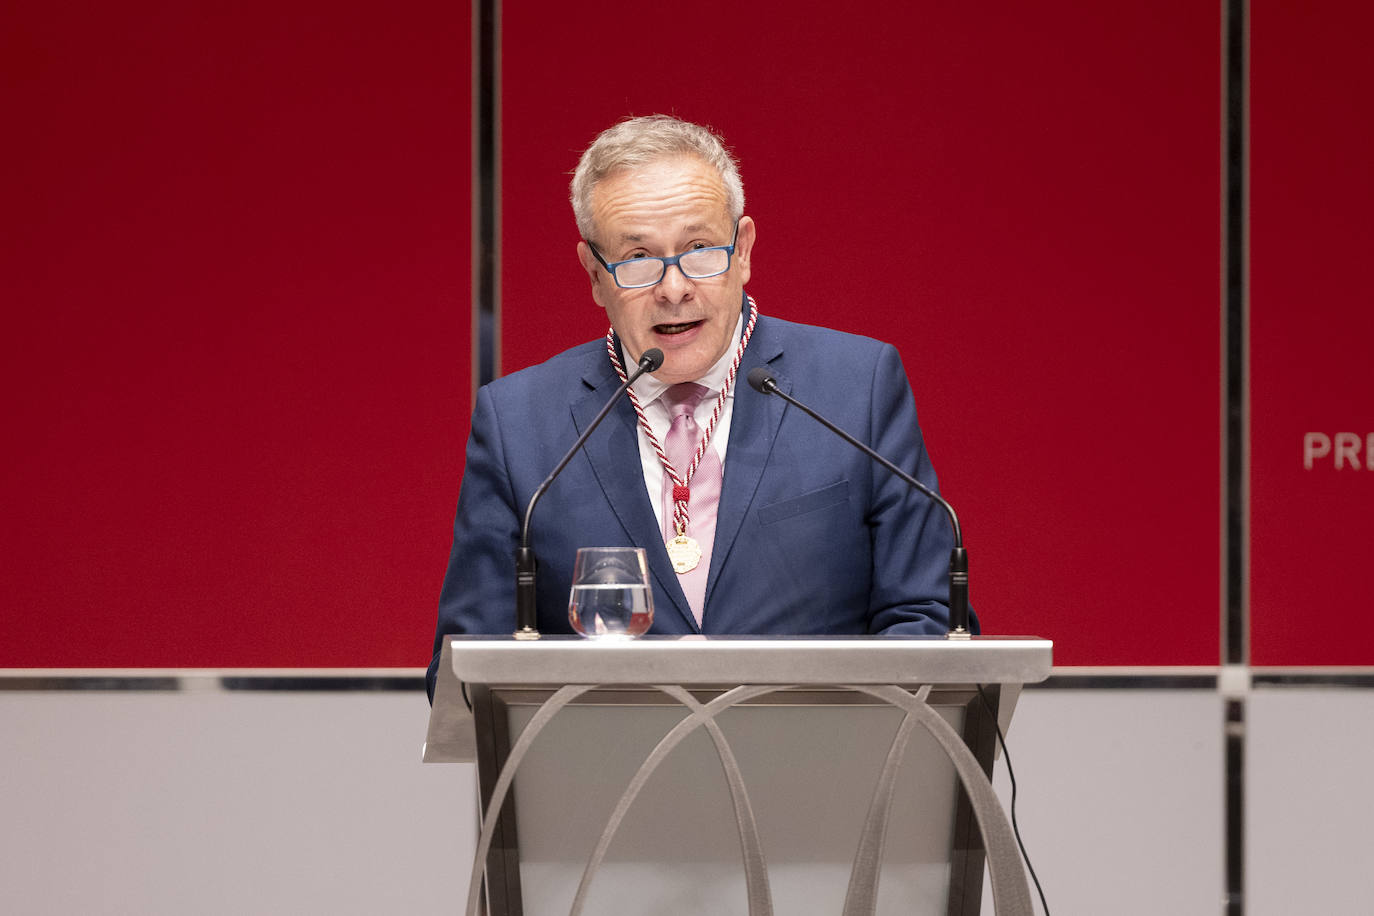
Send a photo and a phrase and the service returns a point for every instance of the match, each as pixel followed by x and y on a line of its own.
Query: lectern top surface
pixel 751 660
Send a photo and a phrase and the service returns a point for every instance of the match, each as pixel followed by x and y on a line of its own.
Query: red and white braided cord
pixel 681 517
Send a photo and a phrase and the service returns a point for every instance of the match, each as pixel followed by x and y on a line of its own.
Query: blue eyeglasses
pixel 697 264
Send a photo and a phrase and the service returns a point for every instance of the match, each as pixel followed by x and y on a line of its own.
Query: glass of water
pixel 610 592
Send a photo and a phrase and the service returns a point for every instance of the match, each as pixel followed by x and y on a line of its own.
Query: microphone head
pixel 651 360
pixel 761 380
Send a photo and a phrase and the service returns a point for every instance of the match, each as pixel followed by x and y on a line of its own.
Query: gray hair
pixel 635 142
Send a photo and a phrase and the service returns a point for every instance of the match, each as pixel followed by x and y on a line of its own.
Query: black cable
pixel 1011 775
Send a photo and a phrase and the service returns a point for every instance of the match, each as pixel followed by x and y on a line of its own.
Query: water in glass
pixel 610 592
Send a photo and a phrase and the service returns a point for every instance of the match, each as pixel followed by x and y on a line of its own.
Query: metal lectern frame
pixel 482 678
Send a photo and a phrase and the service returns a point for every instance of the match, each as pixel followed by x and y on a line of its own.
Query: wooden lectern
pixel 745 775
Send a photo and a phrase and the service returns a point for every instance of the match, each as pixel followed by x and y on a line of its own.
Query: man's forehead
pixel 633 234
pixel 660 201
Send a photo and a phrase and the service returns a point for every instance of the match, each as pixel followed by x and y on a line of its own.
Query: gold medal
pixel 684 553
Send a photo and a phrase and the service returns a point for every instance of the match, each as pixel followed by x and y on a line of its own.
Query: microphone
pixel 526 615
pixel 762 381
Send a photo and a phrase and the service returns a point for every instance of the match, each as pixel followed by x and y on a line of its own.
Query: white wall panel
pixel 214 802
pixel 1310 802
pixel 1120 799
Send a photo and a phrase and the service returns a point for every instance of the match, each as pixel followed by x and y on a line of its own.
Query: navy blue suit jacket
pixel 812 537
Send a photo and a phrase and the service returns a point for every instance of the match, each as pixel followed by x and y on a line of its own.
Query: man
pixel 754 518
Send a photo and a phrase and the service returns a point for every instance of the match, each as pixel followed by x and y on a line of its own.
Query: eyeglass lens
pixel 707 262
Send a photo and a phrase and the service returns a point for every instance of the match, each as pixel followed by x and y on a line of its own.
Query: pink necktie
pixel 681 445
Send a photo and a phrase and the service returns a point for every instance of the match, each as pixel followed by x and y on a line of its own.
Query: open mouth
pixel 675 328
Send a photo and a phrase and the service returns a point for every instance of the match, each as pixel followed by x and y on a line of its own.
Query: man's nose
pixel 675 285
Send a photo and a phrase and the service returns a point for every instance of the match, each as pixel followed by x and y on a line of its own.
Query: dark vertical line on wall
pixel 1236 248
pixel 1235 807
pixel 486 192
pixel 1236 481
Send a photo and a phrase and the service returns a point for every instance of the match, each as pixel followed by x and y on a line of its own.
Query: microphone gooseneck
pixel 762 381
pixel 526 567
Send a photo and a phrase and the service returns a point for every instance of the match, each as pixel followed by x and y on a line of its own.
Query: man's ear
pixel 595 272
pixel 744 246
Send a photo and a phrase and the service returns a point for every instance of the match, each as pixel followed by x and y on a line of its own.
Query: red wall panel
pixel 236 360
pixel 1025 200
pixel 1312 325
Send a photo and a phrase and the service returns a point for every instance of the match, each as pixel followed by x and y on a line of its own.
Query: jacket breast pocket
pixel 792 507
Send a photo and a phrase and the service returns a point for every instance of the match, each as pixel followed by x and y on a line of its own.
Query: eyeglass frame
pixel 667 262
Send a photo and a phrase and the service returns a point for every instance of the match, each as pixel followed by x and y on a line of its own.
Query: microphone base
pixel 959 633
pixel 526 633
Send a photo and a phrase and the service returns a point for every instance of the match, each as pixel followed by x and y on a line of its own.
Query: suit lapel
pixel 617 469
pixel 754 422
